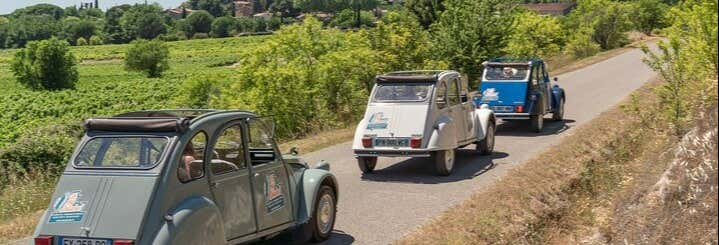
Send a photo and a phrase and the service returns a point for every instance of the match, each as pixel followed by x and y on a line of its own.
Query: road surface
pixel 403 193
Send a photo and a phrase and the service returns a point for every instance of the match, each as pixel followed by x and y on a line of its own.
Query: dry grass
pixel 319 140
pixel 531 206
pixel 19 227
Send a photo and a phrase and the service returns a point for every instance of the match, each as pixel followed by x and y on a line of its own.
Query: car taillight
pixel 43 240
pixel 367 142
pixel 415 142
pixel 123 242
pixel 519 108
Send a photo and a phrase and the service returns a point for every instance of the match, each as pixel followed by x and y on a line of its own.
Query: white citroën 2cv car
pixel 422 114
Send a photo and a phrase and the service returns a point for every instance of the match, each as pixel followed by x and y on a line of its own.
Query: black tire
pixel 486 145
pixel 322 224
pixel 558 114
pixel 366 164
pixel 537 122
pixel 444 162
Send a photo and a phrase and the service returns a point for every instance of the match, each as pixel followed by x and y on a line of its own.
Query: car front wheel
pixel 486 145
pixel 367 164
pixel 444 162
pixel 323 218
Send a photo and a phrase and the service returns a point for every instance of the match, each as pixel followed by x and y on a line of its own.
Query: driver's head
pixel 189 150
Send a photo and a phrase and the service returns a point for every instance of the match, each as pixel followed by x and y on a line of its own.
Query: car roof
pixel 175 120
pixel 413 76
pixel 513 61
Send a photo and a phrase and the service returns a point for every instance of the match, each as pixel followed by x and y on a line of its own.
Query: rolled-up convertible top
pixel 138 124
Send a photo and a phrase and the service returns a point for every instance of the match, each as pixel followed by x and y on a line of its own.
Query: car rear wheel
pixel 558 114
pixel 323 218
pixel 537 122
pixel 367 164
pixel 444 162
pixel 486 145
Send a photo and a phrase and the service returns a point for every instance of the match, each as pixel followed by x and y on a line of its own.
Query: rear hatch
pixel 395 121
pixel 503 96
pixel 98 206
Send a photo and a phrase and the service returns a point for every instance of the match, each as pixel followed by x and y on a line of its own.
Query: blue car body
pixel 519 89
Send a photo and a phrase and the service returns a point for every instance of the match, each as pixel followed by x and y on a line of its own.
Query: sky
pixel 7 6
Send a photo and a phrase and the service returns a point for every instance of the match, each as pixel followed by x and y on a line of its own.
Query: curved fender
pixel 482 117
pixel 311 181
pixel 359 133
pixel 557 95
pixel 196 220
pixel 444 135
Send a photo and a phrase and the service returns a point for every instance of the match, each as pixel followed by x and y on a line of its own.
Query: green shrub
pixel 222 26
pixel 200 21
pixel 95 40
pixel 44 149
pixel 649 15
pixel 146 56
pixel 535 36
pixel 581 44
pixel 81 42
pixel 346 19
pixel 610 21
pixel 198 92
pixel 47 64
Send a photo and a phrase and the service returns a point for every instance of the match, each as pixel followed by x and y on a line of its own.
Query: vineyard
pixel 105 88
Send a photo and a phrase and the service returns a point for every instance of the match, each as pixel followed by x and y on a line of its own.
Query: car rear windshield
pixel 121 152
pixel 398 92
pixel 508 72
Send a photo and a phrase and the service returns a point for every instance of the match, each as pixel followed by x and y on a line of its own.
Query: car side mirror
pixel 556 79
pixel 322 164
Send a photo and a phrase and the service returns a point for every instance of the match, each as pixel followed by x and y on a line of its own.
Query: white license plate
pixel 391 142
pixel 84 241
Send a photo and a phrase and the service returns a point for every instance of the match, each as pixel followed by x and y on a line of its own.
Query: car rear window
pixel 397 92
pixel 121 152
pixel 508 72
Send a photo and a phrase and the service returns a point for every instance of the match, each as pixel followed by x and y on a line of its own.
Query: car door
pixel 273 203
pixel 230 181
pixel 547 88
pixel 456 108
pixel 467 107
pixel 538 87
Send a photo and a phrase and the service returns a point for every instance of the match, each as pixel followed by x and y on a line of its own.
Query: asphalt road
pixel 404 193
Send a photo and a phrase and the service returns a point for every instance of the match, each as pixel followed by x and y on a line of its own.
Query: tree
pixel 222 26
pixel 40 9
pixel 81 41
pixel 286 8
pixel 535 36
pixel 146 56
pixel 214 7
pixel 581 44
pixel 358 6
pixel 30 28
pixel 469 32
pixel 346 19
pixel 145 21
pixel 200 21
pixel 95 40
pixel 609 20
pixel 426 11
pixel 113 25
pixel 649 15
pixel 74 29
pixel 46 64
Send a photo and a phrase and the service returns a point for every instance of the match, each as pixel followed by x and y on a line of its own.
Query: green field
pixel 105 88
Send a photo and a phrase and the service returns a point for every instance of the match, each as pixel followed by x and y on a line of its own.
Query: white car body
pixel 440 127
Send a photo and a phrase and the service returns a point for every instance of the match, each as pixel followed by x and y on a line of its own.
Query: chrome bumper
pixel 392 153
pixel 512 115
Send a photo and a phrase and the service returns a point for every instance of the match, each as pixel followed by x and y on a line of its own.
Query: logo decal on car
pixel 274 199
pixel 68 208
pixel 378 121
pixel 490 94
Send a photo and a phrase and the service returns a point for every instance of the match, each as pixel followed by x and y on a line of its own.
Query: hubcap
pixel 449 159
pixel 326 213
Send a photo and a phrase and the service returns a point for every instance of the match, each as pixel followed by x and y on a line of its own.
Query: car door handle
pixel 214 185
pixel 257 175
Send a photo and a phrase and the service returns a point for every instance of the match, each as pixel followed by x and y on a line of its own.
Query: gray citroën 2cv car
pixel 186 177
